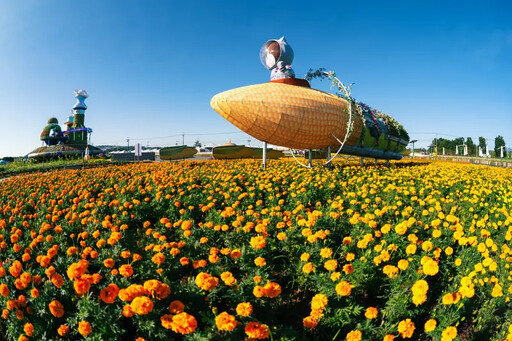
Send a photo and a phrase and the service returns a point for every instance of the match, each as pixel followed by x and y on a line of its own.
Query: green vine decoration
pixel 364 111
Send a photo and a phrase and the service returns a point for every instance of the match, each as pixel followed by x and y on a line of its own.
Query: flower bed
pixel 222 250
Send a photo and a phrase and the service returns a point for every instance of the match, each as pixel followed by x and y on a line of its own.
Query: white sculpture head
pixel 81 93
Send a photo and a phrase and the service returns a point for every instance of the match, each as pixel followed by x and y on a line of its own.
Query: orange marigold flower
pixel 142 305
pixel 235 254
pixel 272 289
pixel 206 281
pixel 354 335
pixel 225 321
pixel 348 269
pixel 181 323
pixel 28 329
pixel 244 309
pixel 81 286
pixel 158 258
pixel 109 294
pixel 406 328
pixel 256 330
pixel 228 278
pixel 371 313
pixel 343 288
pixel 76 270
pixel 4 290
pixel 176 307
pixel 34 293
pixel 84 328
pixel 108 263
pixel 16 268
pixel 127 311
pixel 310 322
pixel 56 308
pixel 126 270
pixel 63 330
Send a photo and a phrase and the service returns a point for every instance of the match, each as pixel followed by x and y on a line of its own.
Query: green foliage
pixel 499 142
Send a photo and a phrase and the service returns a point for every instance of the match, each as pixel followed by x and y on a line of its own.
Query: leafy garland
pixel 394 128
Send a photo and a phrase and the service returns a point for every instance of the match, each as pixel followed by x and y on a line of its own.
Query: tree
pixel 482 143
pixel 498 143
pixel 197 144
pixel 471 146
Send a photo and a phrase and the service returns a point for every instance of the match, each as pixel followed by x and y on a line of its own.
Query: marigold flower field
pixel 222 250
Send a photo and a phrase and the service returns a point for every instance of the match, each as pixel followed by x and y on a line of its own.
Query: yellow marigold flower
pixel 258 242
pixel 449 334
pixel 281 236
pixel 430 267
pixel 258 291
pixel 84 328
pixel 304 257
pixel 401 229
pixel 244 309
pixel 326 252
pixel 406 328
pixel 390 270
pixel 260 261
pixel 419 292
pixel 430 325
pixel 389 337
pixel 343 288
pixel 411 249
pixel 371 313
pixel 403 264
pixel 256 330
pixel 308 267
pixel 354 335
pixel 335 276
pixel 319 302
pixel 225 321
pixel 350 257
pixel 331 264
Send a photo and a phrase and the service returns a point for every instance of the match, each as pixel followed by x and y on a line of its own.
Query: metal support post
pixel 264 157
pixel 310 158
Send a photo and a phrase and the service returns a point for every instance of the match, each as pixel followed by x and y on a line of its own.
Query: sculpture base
pixel 62 151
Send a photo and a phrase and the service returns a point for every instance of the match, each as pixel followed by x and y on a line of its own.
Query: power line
pixel 184 134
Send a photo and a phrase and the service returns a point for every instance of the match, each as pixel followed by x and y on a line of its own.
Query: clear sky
pixel 151 67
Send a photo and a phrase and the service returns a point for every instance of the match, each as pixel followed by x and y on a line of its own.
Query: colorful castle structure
pixel 71 142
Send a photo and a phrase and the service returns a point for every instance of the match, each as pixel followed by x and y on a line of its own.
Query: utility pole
pixel 128 141
pixel 183 138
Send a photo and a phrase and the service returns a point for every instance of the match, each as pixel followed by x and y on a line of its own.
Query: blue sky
pixel 151 67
